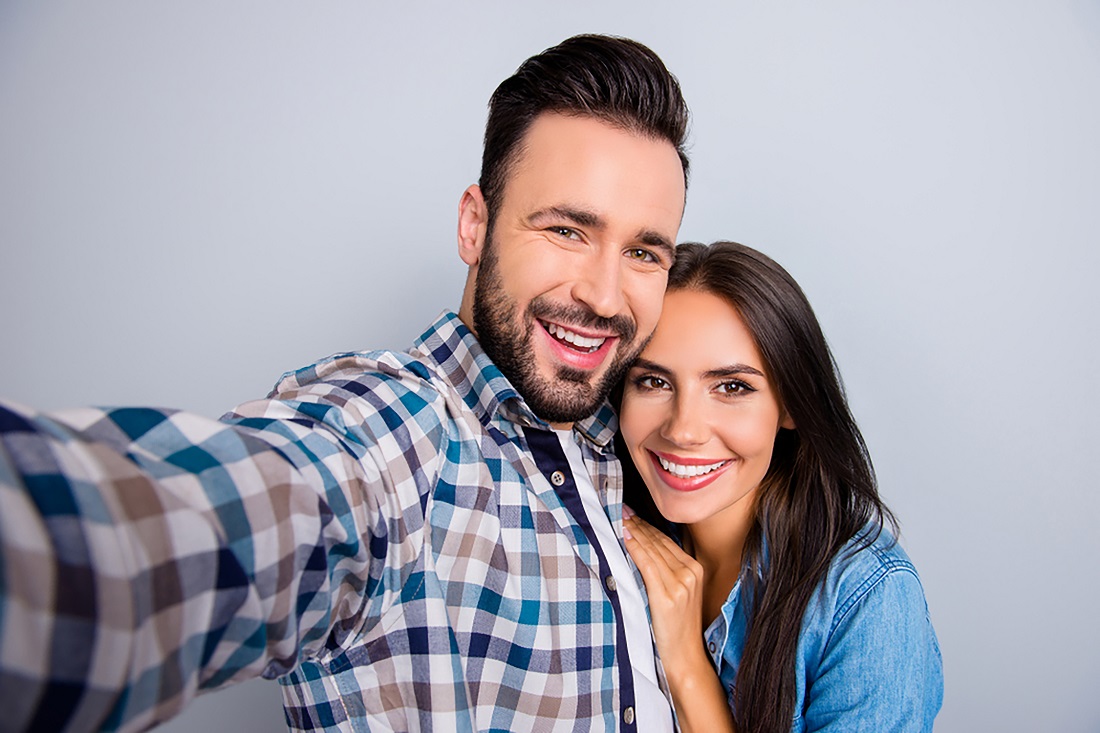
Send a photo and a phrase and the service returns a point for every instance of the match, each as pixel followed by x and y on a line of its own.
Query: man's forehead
pixel 579 164
pixel 550 127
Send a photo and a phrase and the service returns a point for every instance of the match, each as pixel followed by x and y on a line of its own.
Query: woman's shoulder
pixel 871 564
pixel 867 642
pixel 873 552
pixel 867 645
pixel 872 561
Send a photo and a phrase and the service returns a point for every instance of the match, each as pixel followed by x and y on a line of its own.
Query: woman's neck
pixel 718 543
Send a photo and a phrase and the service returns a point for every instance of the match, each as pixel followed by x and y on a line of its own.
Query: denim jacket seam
pixel 886 567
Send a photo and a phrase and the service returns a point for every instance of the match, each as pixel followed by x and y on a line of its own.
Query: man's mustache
pixel 577 315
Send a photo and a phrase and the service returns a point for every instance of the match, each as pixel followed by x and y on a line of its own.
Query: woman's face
pixel 699 414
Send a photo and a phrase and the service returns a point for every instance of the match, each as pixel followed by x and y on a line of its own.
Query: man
pixel 408 541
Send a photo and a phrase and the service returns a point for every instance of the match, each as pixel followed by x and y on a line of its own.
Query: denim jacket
pixel 867 656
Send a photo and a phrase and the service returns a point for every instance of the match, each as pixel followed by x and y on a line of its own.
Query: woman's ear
pixel 473 217
pixel 786 421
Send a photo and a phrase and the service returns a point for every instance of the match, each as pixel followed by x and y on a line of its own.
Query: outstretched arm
pixel 148 554
pixel 674 584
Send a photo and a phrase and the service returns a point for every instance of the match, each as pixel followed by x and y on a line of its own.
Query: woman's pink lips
pixel 693 483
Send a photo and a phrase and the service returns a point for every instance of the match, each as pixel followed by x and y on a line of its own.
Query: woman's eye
pixel 734 387
pixel 641 255
pixel 650 382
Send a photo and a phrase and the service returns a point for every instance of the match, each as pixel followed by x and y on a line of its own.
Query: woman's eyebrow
pixel 650 366
pixel 732 370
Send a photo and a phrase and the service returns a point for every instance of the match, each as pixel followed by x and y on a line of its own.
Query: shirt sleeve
pixel 151 554
pixel 881 671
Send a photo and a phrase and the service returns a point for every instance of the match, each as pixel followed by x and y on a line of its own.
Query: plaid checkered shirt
pixel 379 534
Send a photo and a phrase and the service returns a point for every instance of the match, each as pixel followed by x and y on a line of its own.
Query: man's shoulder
pixel 360 395
pixel 367 369
pixel 441 378
pixel 424 367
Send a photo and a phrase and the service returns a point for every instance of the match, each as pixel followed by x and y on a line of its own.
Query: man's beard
pixel 568 395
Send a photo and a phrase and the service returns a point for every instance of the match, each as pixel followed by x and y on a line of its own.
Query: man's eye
pixel 565 232
pixel 641 254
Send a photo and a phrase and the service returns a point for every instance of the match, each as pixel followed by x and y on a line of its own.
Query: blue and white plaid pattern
pixel 375 533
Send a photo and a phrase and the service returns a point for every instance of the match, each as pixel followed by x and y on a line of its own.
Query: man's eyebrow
pixel 654 239
pixel 591 219
pixel 575 216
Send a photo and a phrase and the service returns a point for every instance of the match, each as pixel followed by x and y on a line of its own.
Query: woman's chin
pixel 678 514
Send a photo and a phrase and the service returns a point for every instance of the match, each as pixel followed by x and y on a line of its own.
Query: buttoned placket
pixel 554 465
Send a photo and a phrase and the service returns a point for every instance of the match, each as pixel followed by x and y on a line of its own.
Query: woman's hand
pixel 674 584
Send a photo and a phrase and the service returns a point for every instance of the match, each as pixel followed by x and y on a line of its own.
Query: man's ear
pixel 473 220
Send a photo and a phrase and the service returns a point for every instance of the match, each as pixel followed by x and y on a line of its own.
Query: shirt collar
pixel 485 390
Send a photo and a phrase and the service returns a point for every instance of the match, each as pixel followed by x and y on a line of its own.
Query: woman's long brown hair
pixel 819 491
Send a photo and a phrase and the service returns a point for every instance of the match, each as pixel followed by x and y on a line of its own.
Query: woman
pixel 735 419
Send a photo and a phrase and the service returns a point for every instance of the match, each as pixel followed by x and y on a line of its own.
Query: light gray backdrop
pixel 196 196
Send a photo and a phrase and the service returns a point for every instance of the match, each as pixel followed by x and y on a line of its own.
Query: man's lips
pixel 580 339
pixel 687 474
pixel 579 348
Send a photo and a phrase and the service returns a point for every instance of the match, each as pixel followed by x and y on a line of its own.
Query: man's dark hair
pixel 616 80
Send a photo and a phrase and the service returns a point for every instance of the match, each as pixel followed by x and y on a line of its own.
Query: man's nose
pixel 599 283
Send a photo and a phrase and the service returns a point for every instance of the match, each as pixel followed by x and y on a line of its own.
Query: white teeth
pixel 576 339
pixel 689 471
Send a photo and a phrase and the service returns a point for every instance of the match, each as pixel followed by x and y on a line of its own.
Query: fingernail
pixel 626 533
pixel 627 512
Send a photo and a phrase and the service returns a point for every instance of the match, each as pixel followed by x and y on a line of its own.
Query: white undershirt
pixel 652 710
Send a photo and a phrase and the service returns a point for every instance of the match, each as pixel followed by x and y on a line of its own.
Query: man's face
pixel 570 280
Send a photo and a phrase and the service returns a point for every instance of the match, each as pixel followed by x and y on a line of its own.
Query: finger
pixel 641 547
pixel 640 527
pixel 640 535
pixel 651 563
pixel 668 578
pixel 658 543
pixel 671 572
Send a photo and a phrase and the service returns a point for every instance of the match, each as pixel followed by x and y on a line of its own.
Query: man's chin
pixel 567 396
pixel 578 377
pixel 556 410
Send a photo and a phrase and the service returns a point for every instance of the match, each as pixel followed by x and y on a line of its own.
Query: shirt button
pixel 557 478
pixel 609 581
pixel 628 715
pixel 712 647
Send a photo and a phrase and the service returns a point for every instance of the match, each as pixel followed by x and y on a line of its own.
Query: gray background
pixel 195 197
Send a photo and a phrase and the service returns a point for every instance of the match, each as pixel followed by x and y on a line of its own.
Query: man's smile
pixel 570 347
pixel 574 338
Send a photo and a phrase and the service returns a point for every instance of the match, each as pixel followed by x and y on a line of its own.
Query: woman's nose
pixel 686 425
